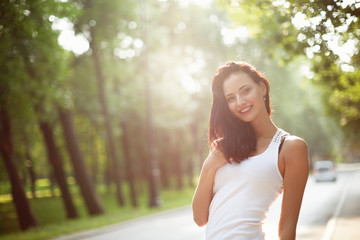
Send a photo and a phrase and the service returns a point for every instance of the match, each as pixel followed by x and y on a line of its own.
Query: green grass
pixel 51 216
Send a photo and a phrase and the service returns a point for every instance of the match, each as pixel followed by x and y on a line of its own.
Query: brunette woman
pixel 250 163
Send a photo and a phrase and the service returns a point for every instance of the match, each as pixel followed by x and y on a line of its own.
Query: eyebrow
pixel 238 90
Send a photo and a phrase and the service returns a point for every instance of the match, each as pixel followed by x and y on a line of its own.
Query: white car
pixel 324 171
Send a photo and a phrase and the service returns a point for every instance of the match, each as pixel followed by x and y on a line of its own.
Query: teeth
pixel 246 109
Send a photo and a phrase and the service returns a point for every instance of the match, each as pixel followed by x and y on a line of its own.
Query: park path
pixel 175 224
pixel 330 211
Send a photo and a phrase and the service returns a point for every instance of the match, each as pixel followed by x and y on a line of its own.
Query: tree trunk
pixel 55 161
pixel 19 164
pixel 52 182
pixel 164 178
pixel 25 215
pixel 190 173
pixel 108 176
pixel 30 168
pixel 177 163
pixel 128 164
pixel 165 162
pixel 154 175
pixel 94 162
pixel 142 160
pixel 103 104
pixel 196 146
pixel 196 156
pixel 88 191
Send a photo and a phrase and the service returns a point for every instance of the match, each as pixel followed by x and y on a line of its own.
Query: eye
pixel 246 90
pixel 230 99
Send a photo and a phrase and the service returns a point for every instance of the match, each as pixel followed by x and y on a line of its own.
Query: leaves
pixel 324 31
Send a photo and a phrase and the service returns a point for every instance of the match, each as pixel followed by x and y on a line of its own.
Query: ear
pixel 263 88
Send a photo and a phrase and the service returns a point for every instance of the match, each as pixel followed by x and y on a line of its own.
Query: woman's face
pixel 244 97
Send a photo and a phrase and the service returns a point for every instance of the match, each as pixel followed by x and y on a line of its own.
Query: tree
pixel 25 215
pixel 153 173
pixel 88 191
pixel 108 125
pixel 30 166
pixel 28 49
pixel 130 174
pixel 324 31
pixel 102 28
pixel 56 162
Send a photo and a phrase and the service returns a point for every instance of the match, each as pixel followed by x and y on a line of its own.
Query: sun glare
pixel 67 38
pixel 190 84
pixel 345 49
pixel 204 3
pixel 231 35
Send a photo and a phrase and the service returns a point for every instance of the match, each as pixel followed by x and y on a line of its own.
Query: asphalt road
pixel 322 204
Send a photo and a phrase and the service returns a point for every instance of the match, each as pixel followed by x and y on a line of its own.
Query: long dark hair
pixel 235 138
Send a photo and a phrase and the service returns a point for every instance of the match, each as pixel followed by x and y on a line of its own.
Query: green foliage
pixel 52 225
pixel 177 48
pixel 341 91
pixel 298 109
pixel 34 63
pixel 318 29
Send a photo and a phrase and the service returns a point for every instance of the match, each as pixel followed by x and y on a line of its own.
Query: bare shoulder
pixel 294 143
pixel 295 149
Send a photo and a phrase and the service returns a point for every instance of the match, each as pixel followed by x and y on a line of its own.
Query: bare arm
pixel 295 159
pixel 204 190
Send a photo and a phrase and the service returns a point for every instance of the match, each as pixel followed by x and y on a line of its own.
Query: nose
pixel 239 100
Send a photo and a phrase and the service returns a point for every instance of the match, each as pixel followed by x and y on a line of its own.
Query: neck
pixel 263 127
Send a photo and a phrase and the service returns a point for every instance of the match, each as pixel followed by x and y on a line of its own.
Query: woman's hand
pixel 215 159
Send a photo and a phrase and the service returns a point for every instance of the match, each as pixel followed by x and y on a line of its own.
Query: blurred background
pixel 105 104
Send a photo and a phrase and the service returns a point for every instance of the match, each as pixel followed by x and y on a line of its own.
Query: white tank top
pixel 243 194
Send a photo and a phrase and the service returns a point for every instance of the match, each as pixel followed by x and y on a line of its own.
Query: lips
pixel 245 110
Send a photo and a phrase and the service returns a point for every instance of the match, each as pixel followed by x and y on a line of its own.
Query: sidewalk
pixel 347 228
pixel 347 224
pixel 171 224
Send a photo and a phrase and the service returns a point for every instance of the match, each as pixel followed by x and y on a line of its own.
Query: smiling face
pixel 244 97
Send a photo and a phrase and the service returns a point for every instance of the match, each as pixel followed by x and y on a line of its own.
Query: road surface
pixel 323 204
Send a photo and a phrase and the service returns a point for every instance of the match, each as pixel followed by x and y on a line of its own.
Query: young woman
pixel 250 163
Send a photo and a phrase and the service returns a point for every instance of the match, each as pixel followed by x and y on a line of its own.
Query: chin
pixel 246 119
